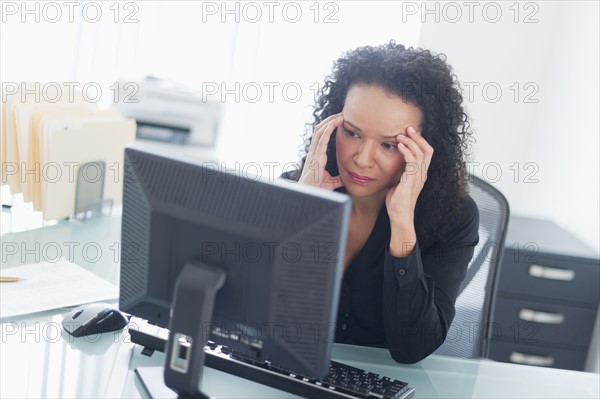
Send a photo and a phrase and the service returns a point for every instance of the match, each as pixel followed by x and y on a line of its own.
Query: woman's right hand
pixel 314 172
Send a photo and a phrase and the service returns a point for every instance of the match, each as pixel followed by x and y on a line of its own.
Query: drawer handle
pixel 551 273
pixel 531 360
pixel 541 317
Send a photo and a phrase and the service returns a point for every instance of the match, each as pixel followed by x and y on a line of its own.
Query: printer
pixel 168 111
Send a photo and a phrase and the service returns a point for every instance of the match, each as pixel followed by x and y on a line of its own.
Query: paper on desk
pixel 45 286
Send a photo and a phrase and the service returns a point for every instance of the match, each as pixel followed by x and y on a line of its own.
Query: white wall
pixel 546 151
pixel 554 141
pixel 299 54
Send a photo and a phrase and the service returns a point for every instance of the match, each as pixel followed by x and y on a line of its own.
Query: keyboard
pixel 342 381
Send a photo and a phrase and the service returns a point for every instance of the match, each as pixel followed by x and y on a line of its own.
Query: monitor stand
pixel 193 303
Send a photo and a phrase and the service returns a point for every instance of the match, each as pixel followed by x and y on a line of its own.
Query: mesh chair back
pixel 468 331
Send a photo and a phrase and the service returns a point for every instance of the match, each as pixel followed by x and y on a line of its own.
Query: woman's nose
pixel 364 156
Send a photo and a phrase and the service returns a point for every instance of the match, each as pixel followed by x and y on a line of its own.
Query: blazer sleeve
pixel 420 290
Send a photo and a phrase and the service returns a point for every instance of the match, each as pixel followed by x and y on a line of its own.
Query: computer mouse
pixel 94 318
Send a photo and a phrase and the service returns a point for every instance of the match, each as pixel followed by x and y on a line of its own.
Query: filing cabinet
pixel 547 297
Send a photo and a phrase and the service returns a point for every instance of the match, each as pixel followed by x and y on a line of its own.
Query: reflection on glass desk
pixel 37 359
pixel 93 244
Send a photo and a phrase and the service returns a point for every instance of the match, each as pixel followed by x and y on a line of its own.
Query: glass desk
pixel 37 359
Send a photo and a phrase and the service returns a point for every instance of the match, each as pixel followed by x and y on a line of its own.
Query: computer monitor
pixel 268 253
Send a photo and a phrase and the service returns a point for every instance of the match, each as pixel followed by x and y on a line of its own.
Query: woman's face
pixel 367 152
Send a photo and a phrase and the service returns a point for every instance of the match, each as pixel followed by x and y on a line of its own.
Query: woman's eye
pixel 389 146
pixel 348 133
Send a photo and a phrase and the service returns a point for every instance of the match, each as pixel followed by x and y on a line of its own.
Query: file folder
pixel 16 130
pixel 44 122
pixel 70 148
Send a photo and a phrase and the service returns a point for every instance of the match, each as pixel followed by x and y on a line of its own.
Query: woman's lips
pixel 358 179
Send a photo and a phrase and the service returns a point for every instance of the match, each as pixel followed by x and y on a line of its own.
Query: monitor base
pixel 193 304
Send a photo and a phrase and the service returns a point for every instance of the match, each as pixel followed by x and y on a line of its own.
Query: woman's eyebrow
pixel 360 130
pixel 353 125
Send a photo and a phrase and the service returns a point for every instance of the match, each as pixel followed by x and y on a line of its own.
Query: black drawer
pixel 528 322
pixel 556 277
pixel 538 356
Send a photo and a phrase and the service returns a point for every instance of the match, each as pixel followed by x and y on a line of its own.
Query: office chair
pixel 468 334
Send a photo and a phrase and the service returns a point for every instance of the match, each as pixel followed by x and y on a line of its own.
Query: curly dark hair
pixel 426 81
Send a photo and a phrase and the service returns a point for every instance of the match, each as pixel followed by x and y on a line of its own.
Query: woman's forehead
pixel 372 109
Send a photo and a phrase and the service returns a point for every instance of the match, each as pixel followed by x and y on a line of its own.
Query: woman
pixel 390 131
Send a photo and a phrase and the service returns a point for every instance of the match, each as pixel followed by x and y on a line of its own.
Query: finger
pixel 420 140
pixel 315 154
pixel 327 120
pixel 412 166
pixel 332 182
pixel 320 150
pixel 321 126
pixel 319 157
pixel 406 153
pixel 414 148
pixel 318 132
pixel 326 135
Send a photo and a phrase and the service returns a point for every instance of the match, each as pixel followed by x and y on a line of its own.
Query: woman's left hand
pixel 401 200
